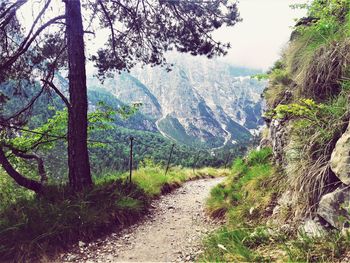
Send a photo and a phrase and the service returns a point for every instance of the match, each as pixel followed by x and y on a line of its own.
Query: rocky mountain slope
pixel 290 200
pixel 198 101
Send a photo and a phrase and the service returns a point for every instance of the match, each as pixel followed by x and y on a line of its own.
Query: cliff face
pixel 199 100
pixel 307 120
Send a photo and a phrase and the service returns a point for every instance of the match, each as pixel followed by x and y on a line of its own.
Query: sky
pixel 258 40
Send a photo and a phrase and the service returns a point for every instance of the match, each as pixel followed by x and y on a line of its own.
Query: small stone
pixel 71 257
pixel 81 244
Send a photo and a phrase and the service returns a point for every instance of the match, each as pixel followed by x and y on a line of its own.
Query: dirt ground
pixel 172 232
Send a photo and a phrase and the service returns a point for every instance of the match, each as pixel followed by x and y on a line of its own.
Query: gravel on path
pixel 172 232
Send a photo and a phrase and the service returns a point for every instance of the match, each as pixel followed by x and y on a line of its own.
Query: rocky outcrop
pixel 279 140
pixel 334 208
pixel 340 160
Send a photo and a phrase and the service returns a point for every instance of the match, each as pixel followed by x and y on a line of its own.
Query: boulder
pixel 334 208
pixel 340 159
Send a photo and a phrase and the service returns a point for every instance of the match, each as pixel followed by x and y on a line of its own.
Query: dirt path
pixel 172 232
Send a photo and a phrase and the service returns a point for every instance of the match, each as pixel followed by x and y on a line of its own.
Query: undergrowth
pixel 246 200
pixel 35 226
pixel 308 93
pixel 237 196
pixel 308 99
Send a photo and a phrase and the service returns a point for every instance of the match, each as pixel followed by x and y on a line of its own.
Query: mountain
pixel 199 101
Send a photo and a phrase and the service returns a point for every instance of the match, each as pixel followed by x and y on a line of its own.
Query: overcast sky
pixel 257 41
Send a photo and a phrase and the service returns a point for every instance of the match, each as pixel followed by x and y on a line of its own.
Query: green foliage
pixel 240 192
pixel 43 225
pixel 243 198
pixel 32 226
pixel 315 62
pixel 279 80
pixel 261 76
pixel 329 248
pixel 314 105
pixel 306 108
pixel 328 16
pixel 10 192
pixel 279 76
pixel 229 246
pixel 153 181
pixel 323 121
pixel 259 157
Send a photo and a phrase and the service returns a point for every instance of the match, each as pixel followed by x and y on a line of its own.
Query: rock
pixel 279 139
pixel 340 159
pixel 313 228
pixel 81 244
pixel 71 257
pixel 334 207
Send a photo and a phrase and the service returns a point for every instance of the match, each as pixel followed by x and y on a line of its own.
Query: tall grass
pixel 243 200
pixel 32 226
pixel 246 200
pixel 45 225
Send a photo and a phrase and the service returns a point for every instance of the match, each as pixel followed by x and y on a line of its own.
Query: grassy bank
pixel 32 227
pixel 246 201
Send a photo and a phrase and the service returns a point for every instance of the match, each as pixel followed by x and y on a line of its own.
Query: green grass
pixel 242 200
pixel 240 192
pixel 43 225
pixel 252 187
pixel 154 181
pixel 33 226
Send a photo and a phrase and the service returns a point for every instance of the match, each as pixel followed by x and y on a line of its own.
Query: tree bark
pixel 19 178
pixel 78 156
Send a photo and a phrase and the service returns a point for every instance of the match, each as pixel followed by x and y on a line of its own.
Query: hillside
pixel 289 200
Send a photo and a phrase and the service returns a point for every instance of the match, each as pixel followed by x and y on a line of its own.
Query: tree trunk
pixel 78 156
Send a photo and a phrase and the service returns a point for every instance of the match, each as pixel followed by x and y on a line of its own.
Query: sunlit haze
pixel 257 41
